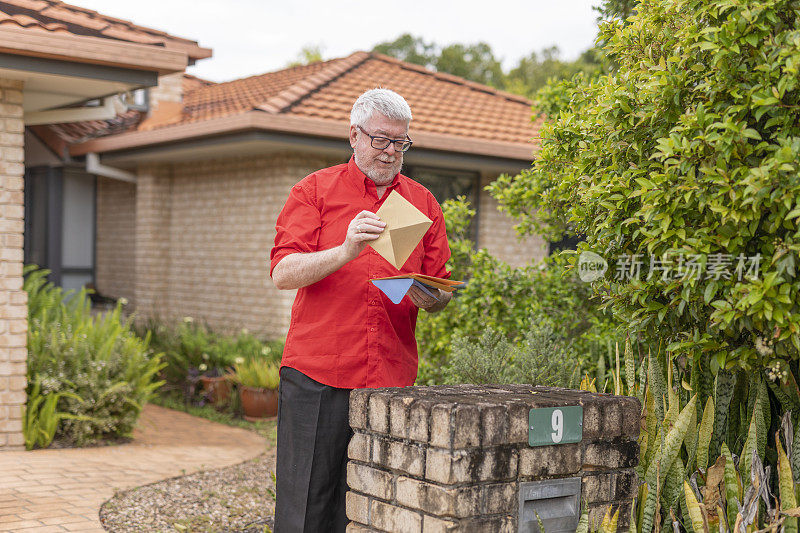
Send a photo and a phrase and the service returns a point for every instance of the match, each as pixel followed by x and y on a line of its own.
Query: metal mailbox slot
pixel 556 501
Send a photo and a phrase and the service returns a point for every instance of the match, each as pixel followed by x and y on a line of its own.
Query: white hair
pixel 384 101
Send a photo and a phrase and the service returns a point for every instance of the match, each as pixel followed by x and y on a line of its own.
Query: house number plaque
pixel 555 425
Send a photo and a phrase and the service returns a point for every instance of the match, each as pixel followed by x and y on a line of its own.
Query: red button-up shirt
pixel 344 331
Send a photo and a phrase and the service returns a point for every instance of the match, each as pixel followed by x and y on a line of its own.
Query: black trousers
pixel 313 434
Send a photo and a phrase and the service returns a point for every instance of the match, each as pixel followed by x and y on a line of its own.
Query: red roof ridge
pixel 452 78
pixel 285 99
pixel 265 74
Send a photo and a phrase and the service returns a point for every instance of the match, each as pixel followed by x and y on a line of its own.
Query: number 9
pixel 557 422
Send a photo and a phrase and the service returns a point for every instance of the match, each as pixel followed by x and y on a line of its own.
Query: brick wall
pixel 496 233
pixel 115 250
pixel 452 458
pixel 200 235
pixel 13 300
pixel 151 241
pixel 204 233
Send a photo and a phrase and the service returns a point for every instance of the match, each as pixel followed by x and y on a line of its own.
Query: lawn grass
pixel 228 415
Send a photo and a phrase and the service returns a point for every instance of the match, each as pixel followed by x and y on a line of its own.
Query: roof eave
pixel 93 50
pixel 313 127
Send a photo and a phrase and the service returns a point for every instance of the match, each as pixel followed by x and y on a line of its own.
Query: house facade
pixel 120 171
pixel 55 58
pixel 186 228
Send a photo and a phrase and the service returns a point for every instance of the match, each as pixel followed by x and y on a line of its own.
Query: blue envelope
pixel 395 289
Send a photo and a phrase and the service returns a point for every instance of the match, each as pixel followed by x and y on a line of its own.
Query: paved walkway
pixel 62 490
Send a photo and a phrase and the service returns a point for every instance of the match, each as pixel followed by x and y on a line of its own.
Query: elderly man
pixel 344 332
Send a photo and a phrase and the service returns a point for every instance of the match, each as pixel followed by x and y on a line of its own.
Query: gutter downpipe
pixel 93 166
pixel 112 106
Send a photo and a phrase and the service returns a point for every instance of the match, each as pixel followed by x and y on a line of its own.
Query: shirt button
pixel 372 329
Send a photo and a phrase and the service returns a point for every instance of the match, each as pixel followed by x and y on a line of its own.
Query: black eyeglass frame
pixel 407 142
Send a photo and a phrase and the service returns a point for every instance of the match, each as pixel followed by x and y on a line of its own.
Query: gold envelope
pixel 405 226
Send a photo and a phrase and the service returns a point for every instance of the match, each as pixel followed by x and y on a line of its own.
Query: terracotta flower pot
pixel 258 403
pixel 218 389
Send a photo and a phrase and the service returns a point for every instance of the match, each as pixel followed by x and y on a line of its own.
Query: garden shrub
pixel 690 147
pixel 101 370
pixel 191 349
pixel 543 357
pixel 507 300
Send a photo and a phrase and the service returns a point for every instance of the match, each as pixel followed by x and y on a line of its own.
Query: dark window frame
pixel 52 179
pixel 413 172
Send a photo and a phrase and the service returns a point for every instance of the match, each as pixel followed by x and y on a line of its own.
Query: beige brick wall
pixel 204 234
pixel 115 252
pixel 13 300
pixel 152 241
pixel 496 233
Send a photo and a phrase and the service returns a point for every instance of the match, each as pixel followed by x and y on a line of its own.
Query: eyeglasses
pixel 381 143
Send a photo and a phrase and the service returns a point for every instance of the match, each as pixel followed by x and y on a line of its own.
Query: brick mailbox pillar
pixel 456 458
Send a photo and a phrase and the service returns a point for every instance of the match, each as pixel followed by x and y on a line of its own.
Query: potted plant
pixel 216 385
pixel 215 367
pixel 258 387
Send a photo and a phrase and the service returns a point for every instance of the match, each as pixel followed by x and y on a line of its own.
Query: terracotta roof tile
pixel 78 18
pixel 36 5
pixel 75 132
pixel 56 16
pixel 441 103
pixel 190 83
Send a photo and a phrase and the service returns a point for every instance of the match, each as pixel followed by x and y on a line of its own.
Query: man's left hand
pixel 423 301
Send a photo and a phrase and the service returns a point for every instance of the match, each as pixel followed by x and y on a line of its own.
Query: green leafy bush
pixel 186 346
pixel 192 349
pixel 691 147
pixel 507 300
pixel 102 372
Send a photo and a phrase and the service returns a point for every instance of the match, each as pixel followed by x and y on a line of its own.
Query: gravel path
pixel 239 498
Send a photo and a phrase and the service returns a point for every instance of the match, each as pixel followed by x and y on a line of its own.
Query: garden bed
pixel 239 498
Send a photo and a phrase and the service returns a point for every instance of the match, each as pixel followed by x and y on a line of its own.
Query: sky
pixel 251 37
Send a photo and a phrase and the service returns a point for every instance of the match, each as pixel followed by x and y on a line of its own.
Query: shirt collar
pixel 363 183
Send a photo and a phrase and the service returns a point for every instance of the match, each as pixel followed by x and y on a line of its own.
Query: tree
pixel 410 49
pixel 307 55
pixel 690 148
pixel 619 9
pixel 535 70
pixel 475 62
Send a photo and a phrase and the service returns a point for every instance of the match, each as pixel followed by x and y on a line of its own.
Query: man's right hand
pixel 364 228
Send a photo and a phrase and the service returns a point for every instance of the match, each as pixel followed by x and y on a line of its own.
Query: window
pixel 445 184
pixel 60 224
